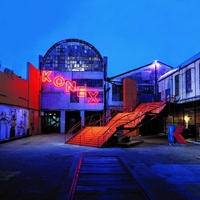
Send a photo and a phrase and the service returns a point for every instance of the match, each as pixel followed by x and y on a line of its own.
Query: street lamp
pixel 155 81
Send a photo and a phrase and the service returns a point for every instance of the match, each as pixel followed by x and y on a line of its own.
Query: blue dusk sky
pixel 131 33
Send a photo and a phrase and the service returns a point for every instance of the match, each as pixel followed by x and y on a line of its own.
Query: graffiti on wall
pixel 13 122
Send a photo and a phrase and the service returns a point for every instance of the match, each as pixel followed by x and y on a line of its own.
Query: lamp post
pixel 155 81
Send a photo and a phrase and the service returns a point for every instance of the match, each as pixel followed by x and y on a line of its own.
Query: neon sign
pixel 93 97
pixel 70 86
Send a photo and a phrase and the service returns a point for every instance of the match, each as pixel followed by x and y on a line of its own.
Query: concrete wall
pixel 20 103
pixel 13 89
pixel 34 96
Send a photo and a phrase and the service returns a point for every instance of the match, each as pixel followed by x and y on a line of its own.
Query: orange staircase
pixel 97 136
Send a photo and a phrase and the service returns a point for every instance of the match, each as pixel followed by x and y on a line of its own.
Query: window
pixel 199 75
pixel 176 85
pixel 89 82
pixel 93 97
pixel 73 97
pixel 188 81
pixel 100 97
pixel 167 93
pixel 94 83
pixel 77 57
pixel 145 89
pixel 117 93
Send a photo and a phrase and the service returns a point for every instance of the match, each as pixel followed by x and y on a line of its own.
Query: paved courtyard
pixel 42 167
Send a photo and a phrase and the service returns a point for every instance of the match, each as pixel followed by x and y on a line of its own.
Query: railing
pixel 91 120
pixel 75 179
pixel 86 121
pixel 108 115
pixel 104 137
pixel 145 109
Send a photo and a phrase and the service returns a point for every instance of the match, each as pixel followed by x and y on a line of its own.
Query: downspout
pixel 105 77
pixel 195 102
pixel 40 94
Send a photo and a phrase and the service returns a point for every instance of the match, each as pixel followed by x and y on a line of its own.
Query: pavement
pixel 41 167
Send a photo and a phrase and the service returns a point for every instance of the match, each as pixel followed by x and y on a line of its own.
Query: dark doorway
pixel 51 122
pixel 152 126
pixel 96 116
pixel 72 118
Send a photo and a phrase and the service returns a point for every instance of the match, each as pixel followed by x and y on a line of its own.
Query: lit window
pixel 79 57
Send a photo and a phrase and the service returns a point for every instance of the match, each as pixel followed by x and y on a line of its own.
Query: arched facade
pixel 73 55
pixel 73 84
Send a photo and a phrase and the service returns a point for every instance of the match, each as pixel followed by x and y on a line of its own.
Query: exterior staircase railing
pixel 127 120
pixel 90 120
pixel 145 110
pixel 139 116
pixel 104 119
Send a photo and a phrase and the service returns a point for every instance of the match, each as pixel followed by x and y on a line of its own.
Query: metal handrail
pixel 102 121
pixel 105 134
pixel 77 125
pixel 75 179
pixel 140 114
pixel 109 114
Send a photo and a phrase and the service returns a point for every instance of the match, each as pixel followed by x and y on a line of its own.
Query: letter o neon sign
pixel 58 81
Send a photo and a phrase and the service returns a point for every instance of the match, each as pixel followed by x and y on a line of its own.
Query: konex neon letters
pixel 69 86
pixel 81 91
pixel 93 97
pixel 46 76
pixel 59 81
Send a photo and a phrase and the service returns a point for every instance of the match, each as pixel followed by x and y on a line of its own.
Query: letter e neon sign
pixel 81 91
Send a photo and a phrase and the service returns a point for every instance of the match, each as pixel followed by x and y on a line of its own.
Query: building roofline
pixel 169 73
pixel 138 69
pixel 189 60
pixel 181 66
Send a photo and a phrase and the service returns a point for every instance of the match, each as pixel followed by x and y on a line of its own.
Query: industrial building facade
pixel 181 87
pixel 146 82
pixel 71 84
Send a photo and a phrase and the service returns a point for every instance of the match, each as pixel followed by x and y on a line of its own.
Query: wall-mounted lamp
pixel 186 118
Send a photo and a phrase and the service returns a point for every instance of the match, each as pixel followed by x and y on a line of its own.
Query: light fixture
pixel 186 118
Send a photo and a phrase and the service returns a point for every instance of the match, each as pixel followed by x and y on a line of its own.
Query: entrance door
pixel 72 118
pixel 95 116
pixel 51 122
